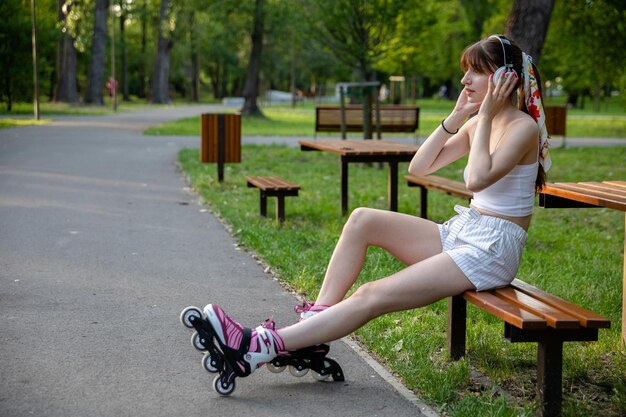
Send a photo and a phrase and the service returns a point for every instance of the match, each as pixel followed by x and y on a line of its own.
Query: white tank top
pixel 512 195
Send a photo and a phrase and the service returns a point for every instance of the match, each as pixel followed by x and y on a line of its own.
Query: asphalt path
pixel 101 246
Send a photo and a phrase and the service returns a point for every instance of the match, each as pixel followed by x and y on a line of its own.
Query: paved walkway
pixel 101 246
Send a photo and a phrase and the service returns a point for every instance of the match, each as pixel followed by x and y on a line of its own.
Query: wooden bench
pixel 426 182
pixel 273 187
pixel 529 315
pixel 392 118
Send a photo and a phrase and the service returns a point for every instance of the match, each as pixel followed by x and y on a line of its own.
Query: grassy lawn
pixel 50 108
pixel 10 122
pixel 575 254
pixel 300 121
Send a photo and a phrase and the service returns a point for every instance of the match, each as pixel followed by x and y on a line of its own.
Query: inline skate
pixel 231 350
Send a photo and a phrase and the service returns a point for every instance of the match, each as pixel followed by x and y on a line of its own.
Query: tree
pixel 160 76
pixel 528 25
pixel 15 49
pixel 585 49
pixel 95 77
pixel 428 40
pixel 357 33
pixel 251 86
pixel 16 60
pixel 66 88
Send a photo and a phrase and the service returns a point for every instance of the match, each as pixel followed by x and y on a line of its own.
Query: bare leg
pixel 410 239
pixel 415 286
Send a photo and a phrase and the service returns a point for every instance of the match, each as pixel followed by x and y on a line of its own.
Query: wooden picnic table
pixel 609 194
pixel 352 151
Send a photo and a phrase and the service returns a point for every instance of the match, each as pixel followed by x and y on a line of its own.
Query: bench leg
pixel 392 187
pixel 549 376
pixel 263 205
pixel 457 315
pixel 423 202
pixel 280 208
pixel 344 187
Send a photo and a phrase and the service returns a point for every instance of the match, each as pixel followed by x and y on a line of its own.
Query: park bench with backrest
pixel 393 118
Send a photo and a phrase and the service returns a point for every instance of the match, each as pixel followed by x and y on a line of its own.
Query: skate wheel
pixel 223 388
pixel 275 369
pixel 322 377
pixel 298 373
pixel 196 343
pixel 188 315
pixel 209 364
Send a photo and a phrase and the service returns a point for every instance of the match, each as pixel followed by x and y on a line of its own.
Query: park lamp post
pixel 35 70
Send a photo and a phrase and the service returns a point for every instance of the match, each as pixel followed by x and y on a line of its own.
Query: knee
pixel 359 220
pixel 365 292
pixel 367 296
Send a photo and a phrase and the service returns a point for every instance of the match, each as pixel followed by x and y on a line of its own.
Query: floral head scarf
pixel 532 97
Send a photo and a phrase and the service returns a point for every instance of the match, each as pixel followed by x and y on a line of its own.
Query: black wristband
pixel 444 128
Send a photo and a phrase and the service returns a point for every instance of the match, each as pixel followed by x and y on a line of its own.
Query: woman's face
pixel 475 84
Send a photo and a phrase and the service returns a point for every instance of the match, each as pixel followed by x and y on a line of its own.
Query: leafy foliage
pixel 310 45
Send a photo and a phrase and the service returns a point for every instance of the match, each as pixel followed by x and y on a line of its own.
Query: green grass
pixel 47 108
pixel 9 122
pixel 575 254
pixel 300 122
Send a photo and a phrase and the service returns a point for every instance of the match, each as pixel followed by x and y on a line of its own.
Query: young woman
pixel 480 248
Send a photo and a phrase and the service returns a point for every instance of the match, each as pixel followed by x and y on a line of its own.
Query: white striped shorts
pixel 487 249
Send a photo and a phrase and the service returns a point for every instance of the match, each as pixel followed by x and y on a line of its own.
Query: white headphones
pixel 508 59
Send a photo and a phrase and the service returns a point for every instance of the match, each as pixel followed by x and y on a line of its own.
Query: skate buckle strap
pixel 245 341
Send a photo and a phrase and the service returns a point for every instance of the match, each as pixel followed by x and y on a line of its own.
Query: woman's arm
pixel 520 138
pixel 442 147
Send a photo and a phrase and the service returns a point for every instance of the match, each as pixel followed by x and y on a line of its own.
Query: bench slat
pixel 585 317
pixel 553 316
pixel 445 185
pixel 601 191
pixel 392 118
pixel 271 183
pixel 516 316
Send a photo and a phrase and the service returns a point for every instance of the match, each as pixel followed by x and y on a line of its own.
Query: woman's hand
pixel 464 107
pixel 497 94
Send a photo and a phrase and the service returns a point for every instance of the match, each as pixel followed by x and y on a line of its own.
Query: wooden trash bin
pixel 556 118
pixel 220 139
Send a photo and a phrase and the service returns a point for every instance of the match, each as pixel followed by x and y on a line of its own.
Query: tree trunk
pixel 597 93
pixel 224 81
pixel 160 77
pixel 251 87
pixel 7 92
pixel 214 76
pixel 124 75
pixel 528 25
pixel 95 78
pixel 195 77
pixel 66 90
pixel 141 93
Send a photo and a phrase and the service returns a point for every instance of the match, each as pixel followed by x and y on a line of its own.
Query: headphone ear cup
pixel 498 73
